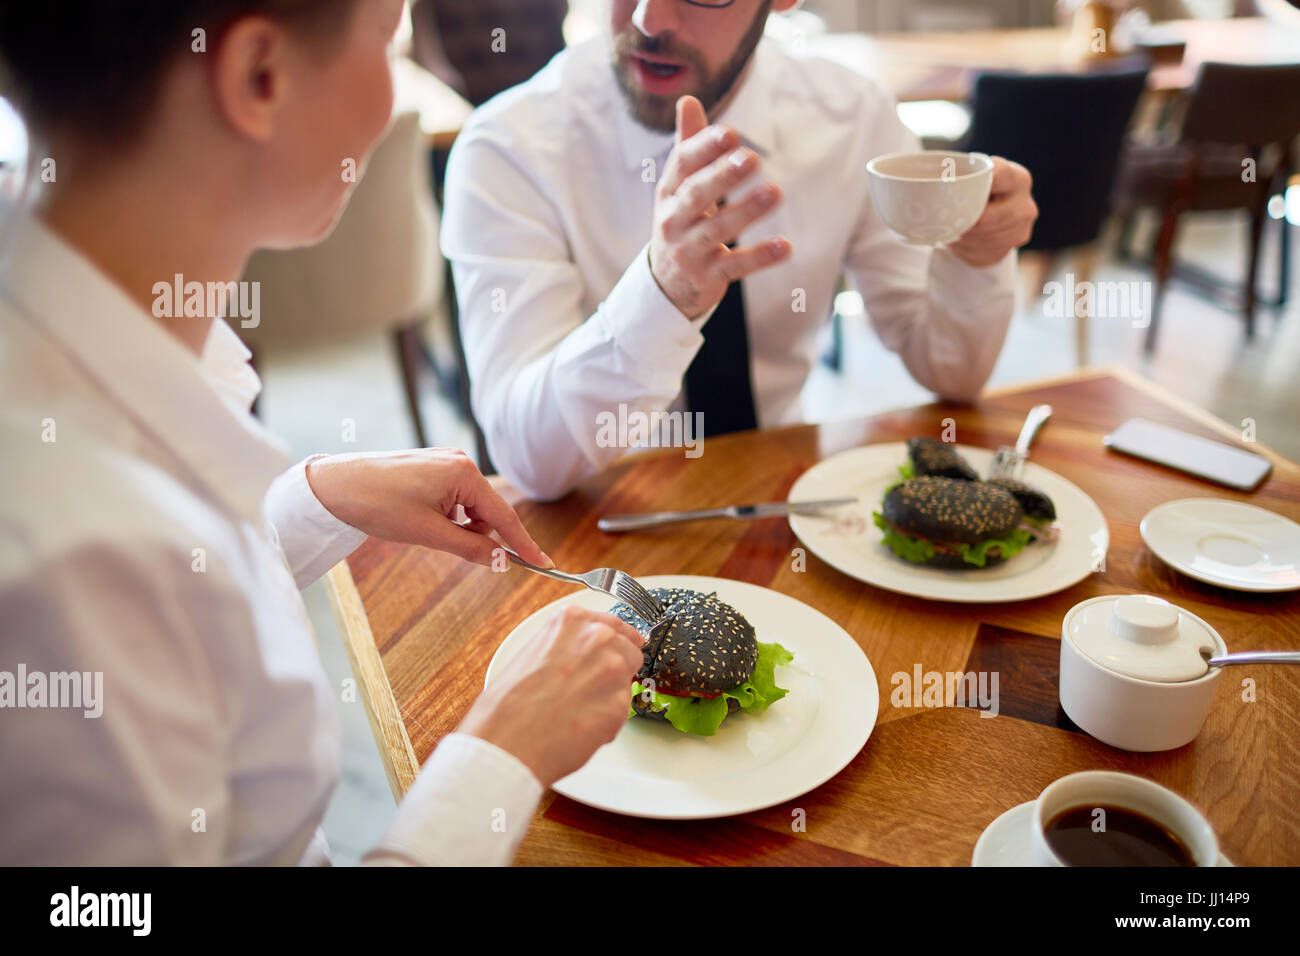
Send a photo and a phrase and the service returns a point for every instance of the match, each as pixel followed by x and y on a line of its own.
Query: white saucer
pixel 1228 543
pixel 1006 841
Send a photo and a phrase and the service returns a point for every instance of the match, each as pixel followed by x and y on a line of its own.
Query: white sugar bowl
pixel 1133 671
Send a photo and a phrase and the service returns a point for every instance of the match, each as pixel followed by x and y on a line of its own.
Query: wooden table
pixel 942 65
pixel 929 780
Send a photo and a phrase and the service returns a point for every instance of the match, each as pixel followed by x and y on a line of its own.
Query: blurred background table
pixel 421 627
pixel 935 65
pixel 941 66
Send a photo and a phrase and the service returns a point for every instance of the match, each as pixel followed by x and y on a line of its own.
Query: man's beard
pixel 660 112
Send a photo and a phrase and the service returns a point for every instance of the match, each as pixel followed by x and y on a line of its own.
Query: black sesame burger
pixel 940 513
pixel 952 523
pixel 930 457
pixel 704 664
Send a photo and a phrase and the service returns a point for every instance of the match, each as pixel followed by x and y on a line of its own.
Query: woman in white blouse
pixel 161 696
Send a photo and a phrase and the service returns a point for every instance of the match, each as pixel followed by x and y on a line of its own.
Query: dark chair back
pixel 1250 105
pixel 1067 130
pixel 490 44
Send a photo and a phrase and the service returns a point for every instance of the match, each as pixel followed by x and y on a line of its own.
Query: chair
pixel 378 269
pixel 481 47
pixel 456 41
pixel 1068 130
pixel 1238 118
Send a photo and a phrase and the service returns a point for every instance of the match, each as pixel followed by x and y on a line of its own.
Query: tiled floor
pixel 1202 356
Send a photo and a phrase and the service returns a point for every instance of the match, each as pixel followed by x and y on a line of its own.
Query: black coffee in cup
pixel 1117 836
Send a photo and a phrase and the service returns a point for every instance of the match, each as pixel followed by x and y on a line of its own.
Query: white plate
pixel 753 761
pixel 1006 841
pixel 1228 543
pixel 846 538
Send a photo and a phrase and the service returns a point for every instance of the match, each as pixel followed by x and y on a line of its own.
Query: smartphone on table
pixel 1202 457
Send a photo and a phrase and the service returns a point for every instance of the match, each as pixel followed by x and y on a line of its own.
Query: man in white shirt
pixel 594 260
pixel 162 700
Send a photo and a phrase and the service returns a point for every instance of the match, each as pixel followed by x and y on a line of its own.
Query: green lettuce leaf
pixel 909 549
pixel 696 715
pixel 906 473
pixel 1009 546
pixel 919 551
pixel 760 692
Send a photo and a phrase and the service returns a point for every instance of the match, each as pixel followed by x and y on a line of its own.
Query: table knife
pixel 770 509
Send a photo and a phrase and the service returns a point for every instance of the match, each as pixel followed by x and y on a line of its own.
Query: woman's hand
pixel 564 695
pixel 412 497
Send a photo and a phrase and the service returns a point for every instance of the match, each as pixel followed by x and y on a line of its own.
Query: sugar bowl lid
pixel 1142 636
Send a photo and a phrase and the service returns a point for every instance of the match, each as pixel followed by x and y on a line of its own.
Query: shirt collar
pixel 749 113
pixel 197 407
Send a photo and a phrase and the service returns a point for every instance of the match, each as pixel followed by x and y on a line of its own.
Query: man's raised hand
pixel 689 257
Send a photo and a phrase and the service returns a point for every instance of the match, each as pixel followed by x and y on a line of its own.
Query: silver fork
pixel 1007 462
pixel 619 585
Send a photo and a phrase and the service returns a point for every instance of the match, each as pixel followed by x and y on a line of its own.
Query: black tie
pixel 717 381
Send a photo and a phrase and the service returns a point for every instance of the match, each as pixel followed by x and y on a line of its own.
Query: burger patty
pixel 708 646
pixel 951 510
pixel 930 457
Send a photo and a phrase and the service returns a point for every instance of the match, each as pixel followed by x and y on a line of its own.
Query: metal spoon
pixel 1252 657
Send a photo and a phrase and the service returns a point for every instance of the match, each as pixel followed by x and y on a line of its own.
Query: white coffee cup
pixel 930 197
pixel 1103 788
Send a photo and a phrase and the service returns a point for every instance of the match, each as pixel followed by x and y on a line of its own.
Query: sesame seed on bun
pixel 707 648
pixel 930 457
pixel 1036 503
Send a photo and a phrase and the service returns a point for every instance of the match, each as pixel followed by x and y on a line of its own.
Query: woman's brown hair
pixel 93 67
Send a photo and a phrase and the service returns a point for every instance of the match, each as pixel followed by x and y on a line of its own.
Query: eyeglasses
pixel 711 3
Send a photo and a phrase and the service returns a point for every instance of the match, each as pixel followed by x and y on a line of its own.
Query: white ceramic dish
pixel 1228 543
pixel 1131 712
pixel 754 761
pixel 846 539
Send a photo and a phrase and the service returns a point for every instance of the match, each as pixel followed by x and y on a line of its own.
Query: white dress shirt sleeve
pixel 470 806
pixel 946 319
pixel 540 371
pixel 143 782
pixel 312 539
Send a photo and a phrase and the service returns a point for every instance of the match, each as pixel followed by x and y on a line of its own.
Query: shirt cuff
pixel 312 539
pixel 470 806
pixel 645 323
pixel 956 284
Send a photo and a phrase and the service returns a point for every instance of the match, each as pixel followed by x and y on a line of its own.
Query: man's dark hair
pixel 94 66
